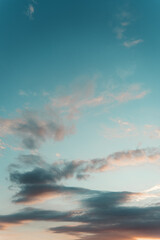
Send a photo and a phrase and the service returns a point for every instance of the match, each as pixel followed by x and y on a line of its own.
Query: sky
pixel 79 120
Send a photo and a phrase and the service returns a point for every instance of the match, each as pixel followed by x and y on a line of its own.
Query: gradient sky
pixel 79 119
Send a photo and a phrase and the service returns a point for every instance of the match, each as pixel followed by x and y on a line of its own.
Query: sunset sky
pixel 80 120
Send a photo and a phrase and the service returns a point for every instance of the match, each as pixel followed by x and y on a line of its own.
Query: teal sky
pixel 79 119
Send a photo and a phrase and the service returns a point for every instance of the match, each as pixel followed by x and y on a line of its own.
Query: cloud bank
pixel 41 180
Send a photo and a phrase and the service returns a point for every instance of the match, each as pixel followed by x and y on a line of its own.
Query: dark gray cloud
pixel 41 180
pixel 39 171
pixel 33 193
pixel 32 214
pixel 32 171
pixel 106 216
pixel 102 215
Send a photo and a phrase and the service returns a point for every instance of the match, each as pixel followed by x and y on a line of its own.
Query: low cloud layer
pixel 102 215
pixel 108 217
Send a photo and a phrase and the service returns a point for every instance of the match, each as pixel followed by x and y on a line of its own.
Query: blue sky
pixel 79 119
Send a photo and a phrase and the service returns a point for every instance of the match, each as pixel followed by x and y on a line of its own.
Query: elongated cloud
pixel 129 44
pixel 101 215
pixel 73 103
pixel 77 100
pixel 124 21
pixel 107 217
pixel 132 92
pixel 41 180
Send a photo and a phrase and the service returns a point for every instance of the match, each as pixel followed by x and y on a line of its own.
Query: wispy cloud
pixel 86 98
pixel 121 129
pixel 129 44
pixel 124 129
pixel 133 92
pixel 30 11
pixel 22 93
pixel 124 21
pixel 26 93
pixel 56 119
pixel 119 32
pixel 78 100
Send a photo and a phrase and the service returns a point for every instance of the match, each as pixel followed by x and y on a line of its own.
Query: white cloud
pixel 30 11
pixel 129 44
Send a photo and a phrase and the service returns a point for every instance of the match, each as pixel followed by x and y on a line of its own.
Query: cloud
pixel 129 44
pixel 2 145
pixel 124 20
pixel 124 129
pixel 6 126
pixel 86 98
pixel 119 32
pixel 134 157
pixel 30 11
pixel 58 155
pixel 40 180
pixel 154 188
pixel 34 128
pixel 133 92
pixel 107 216
pixel 26 93
pixel 101 215
pixel 80 98
pixel 22 93
pixel 56 120
pixel 32 193
pixel 31 214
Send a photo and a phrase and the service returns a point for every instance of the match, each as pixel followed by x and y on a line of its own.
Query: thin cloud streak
pixel 129 44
